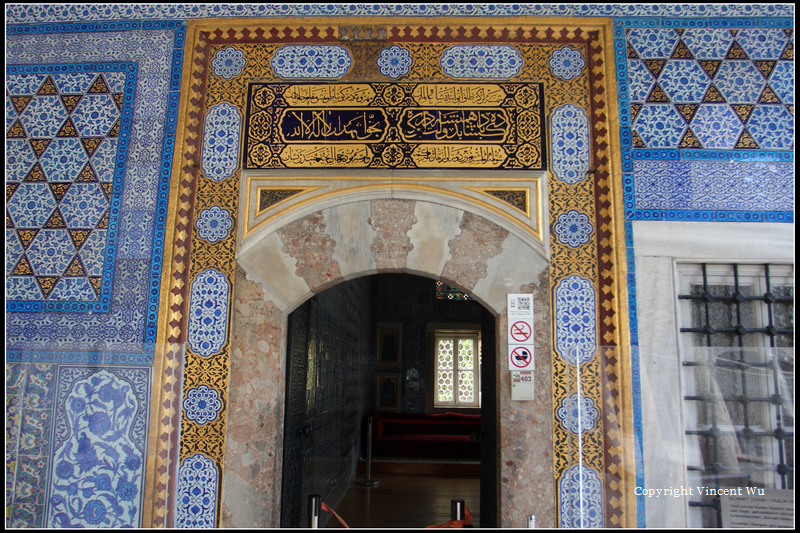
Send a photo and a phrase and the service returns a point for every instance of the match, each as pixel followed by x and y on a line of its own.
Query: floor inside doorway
pixel 410 495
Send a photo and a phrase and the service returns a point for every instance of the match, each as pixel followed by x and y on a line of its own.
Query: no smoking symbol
pixel 521 357
pixel 521 331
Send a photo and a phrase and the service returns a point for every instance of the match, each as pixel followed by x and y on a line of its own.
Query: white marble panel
pixel 275 270
pixel 347 225
pixel 436 224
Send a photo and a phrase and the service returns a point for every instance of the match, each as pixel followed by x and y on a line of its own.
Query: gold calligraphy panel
pixel 395 125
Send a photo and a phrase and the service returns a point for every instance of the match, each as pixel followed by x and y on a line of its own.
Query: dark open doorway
pixel 334 373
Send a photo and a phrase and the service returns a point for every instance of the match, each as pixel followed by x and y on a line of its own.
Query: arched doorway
pixel 321 249
pixel 336 365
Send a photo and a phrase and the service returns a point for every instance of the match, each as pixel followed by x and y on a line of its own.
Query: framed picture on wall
pixel 388 392
pixel 389 345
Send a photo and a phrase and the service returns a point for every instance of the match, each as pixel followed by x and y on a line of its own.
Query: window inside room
pixel 458 370
pixel 737 343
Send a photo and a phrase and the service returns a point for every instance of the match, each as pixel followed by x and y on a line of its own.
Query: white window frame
pixel 455 336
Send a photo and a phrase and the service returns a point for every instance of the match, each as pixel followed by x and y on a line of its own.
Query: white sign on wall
pixel 520 332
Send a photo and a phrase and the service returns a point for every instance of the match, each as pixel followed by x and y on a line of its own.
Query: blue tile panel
pixel 90 156
pixel 21 14
pixel 67 144
pixel 707 120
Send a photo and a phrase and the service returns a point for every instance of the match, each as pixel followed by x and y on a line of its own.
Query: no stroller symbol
pixel 521 357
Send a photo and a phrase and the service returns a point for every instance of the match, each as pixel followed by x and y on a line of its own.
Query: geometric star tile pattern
pixel 709 88
pixel 65 141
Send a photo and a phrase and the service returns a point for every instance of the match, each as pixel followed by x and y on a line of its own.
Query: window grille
pixel 738 380
pixel 458 369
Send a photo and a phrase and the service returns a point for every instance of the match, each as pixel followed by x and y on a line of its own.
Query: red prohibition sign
pixel 521 331
pixel 521 357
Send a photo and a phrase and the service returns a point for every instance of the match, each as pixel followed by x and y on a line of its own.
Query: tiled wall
pixel 706 116
pixel 90 119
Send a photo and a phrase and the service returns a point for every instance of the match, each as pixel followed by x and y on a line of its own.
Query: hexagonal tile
pixel 44 116
pixel 74 82
pixel 24 84
pixel 14 250
pixel 95 114
pixel 640 81
pixel 51 252
pixel 782 81
pixel 762 43
pixel 19 159
pixel 740 82
pixel 83 205
pixel 717 126
pixel 660 126
pixel 653 43
pixel 104 160
pixel 31 205
pixel 64 159
pixel 684 81
pixel 707 43
pixel 772 127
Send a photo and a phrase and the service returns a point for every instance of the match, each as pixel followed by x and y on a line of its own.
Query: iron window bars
pixel 738 379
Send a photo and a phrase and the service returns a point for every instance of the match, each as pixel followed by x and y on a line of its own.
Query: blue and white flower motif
pixel 577 413
pixel 98 468
pixel 311 61
pixel 228 62
pixel 567 63
pixel 576 335
pixel 221 141
pixel 481 61
pixel 570 140
pixel 580 498
pixel 573 228
pixel 208 312
pixel 202 404
pixel 214 224
pixel 395 61
pixel 197 493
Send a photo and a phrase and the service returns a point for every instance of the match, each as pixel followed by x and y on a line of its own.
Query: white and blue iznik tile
pixel 38 13
pixel 577 413
pixel 566 63
pixel 573 228
pixel 569 133
pixel 197 493
pixel 208 312
pixel 307 61
pixel 221 129
pixel 57 202
pixel 576 325
pixel 53 198
pixel 228 62
pixel 580 498
pixel 481 61
pixel 99 445
pixel 394 61
pixel 202 404
pixel 213 224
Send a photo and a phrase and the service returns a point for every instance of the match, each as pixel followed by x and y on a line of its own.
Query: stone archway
pixel 317 250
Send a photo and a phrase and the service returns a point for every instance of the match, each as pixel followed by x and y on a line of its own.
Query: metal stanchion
pixel 368 481
pixel 531 521
pixel 314 502
pixel 457 510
